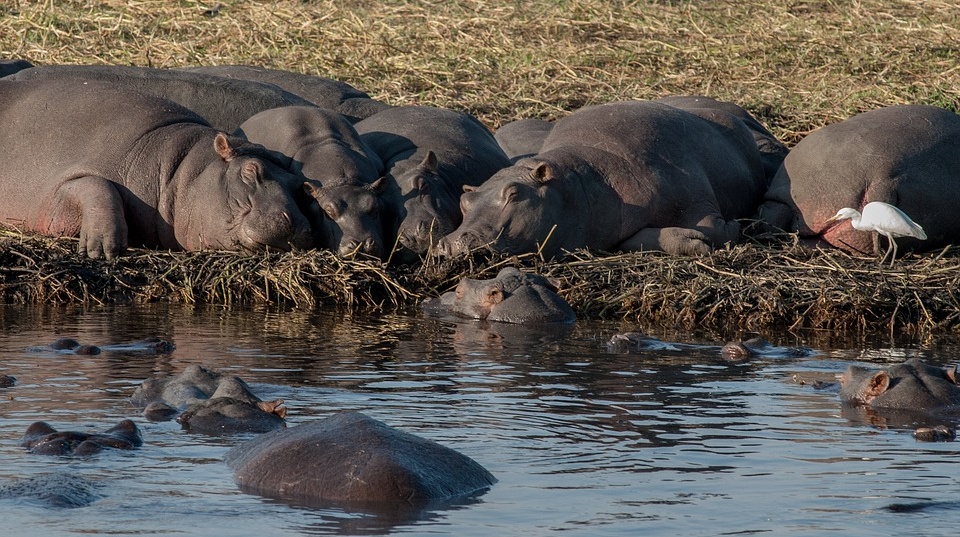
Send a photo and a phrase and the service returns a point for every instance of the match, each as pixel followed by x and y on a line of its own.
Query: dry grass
pixel 797 65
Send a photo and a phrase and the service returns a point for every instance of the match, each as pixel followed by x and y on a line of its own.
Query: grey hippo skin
pixel 522 138
pixel 351 458
pixel 208 402
pixel 757 347
pixel 511 297
pixel 429 155
pixel 902 155
pixel 327 93
pixel 67 345
pixel 59 490
pixel 322 146
pixel 625 176
pixel 9 67
pixel 43 439
pixel 223 102
pixel 142 171
pixel 912 386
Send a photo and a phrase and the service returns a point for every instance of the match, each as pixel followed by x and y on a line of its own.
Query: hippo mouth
pixel 284 235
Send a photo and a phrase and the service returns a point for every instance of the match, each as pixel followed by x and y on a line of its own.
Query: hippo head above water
pixel 911 386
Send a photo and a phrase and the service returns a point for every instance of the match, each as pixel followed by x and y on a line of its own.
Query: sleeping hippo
pixel 326 93
pixel 323 147
pixel 143 171
pixel 902 155
pixel 43 439
pixel 224 103
pixel 429 154
pixel 623 176
pixel 208 402
pixel 511 297
pixel 522 138
pixel 351 459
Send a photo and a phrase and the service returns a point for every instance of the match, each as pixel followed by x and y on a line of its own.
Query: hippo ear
pixel 877 384
pixel 542 172
pixel 273 407
pixel 222 145
pixel 429 162
pixel 252 172
pixel 495 295
pixel 378 185
pixel 468 188
pixel 311 189
pixel 951 374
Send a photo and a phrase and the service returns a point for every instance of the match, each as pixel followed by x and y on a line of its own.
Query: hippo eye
pixel 509 193
pixel 331 210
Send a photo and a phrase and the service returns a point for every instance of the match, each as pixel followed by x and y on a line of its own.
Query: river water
pixel 583 441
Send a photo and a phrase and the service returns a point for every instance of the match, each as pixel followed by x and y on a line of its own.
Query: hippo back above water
pixel 625 176
pixel 143 171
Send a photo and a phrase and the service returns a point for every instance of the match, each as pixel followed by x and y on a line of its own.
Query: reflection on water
pixel 582 440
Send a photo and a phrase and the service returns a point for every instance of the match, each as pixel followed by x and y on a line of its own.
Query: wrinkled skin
pixel 208 403
pixel 511 297
pixel 759 347
pixel 323 147
pixel 224 103
pixel 622 176
pixel 901 155
pixel 522 138
pixel 351 458
pixel 912 386
pixel 429 155
pixel 326 93
pixel 59 490
pixel 142 172
pixel 43 439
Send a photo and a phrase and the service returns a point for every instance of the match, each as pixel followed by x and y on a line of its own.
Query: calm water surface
pixel 583 441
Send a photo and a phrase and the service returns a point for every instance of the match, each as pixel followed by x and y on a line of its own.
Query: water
pixel 583 441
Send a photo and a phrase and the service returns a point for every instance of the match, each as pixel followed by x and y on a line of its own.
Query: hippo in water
pixel 758 347
pixel 350 459
pixel 41 438
pixel 208 402
pixel 323 147
pixel 905 156
pixel 58 490
pixel 623 176
pixel 143 171
pixel 68 345
pixel 326 93
pixel 511 297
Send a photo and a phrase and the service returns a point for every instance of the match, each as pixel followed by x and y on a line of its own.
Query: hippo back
pixel 522 138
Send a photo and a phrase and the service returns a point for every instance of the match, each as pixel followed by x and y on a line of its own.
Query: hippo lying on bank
pixel 326 93
pixel 429 154
pixel 511 297
pixel 909 392
pixel 622 176
pixel 223 102
pixel 208 403
pixel 67 345
pixel 902 155
pixel 350 458
pixel 142 171
pixel 43 439
pixel 323 146
pixel 61 490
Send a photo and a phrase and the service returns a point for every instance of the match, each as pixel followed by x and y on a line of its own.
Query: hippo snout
pixel 454 245
pixel 369 247
pixel 282 230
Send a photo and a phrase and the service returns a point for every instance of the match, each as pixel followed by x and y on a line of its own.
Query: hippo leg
pixel 672 240
pixel 103 229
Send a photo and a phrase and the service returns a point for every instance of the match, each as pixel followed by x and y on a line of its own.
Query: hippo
pixel 429 154
pixel 522 138
pixel 911 394
pixel 901 155
pixel 208 403
pixel 511 297
pixel 323 147
pixel 57 490
pixel 327 93
pixel 625 176
pixel 43 439
pixel 143 171
pixel 67 345
pixel 759 347
pixel 9 67
pixel 8 381
pixel 224 103
pixel 351 459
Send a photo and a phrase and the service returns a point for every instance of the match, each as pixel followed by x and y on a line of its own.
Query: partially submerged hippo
pixel 522 138
pixel 326 93
pixel 902 155
pixel 429 154
pixel 624 176
pixel 323 147
pixel 511 297
pixel 350 458
pixel 68 345
pixel 7 381
pixel 912 386
pixel 760 347
pixel 43 439
pixel 59 490
pixel 142 171
pixel 223 102
pixel 208 402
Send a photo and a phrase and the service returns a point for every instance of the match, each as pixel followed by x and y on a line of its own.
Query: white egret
pixel 882 219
